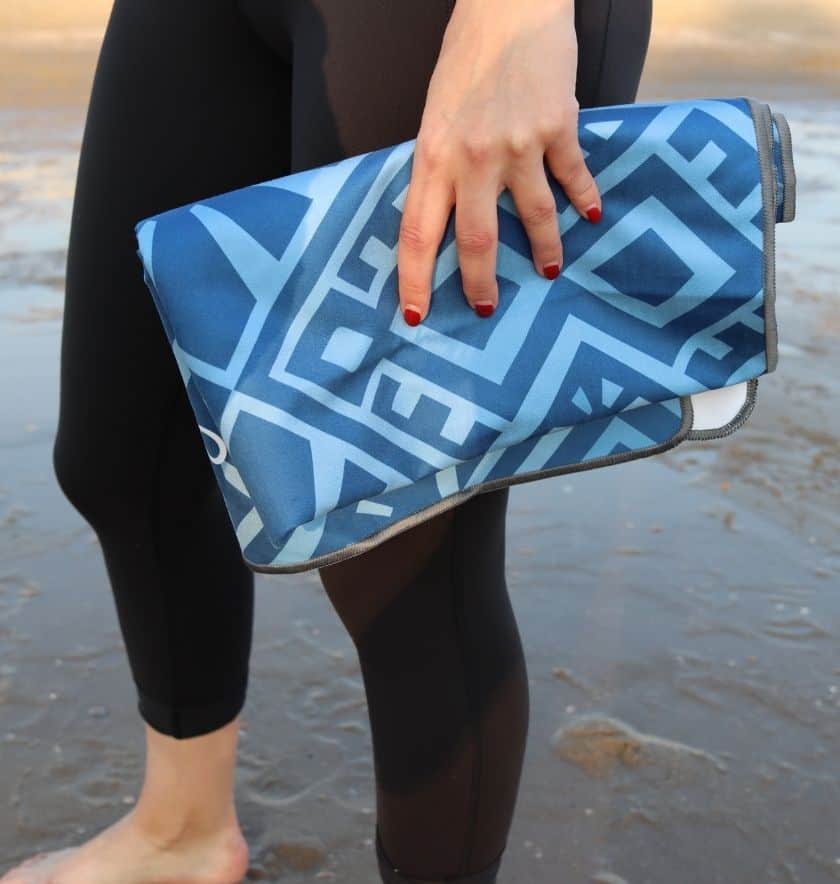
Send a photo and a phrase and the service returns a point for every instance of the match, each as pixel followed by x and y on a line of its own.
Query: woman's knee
pixel 123 474
pixel 94 484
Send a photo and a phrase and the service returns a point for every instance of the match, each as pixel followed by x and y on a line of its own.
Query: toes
pixel 27 865
pixel 33 859
pixel 15 875
pixel 32 869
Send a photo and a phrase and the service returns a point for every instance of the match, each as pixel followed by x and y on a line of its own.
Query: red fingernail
pixel 484 309
pixel 411 316
pixel 552 271
pixel 593 214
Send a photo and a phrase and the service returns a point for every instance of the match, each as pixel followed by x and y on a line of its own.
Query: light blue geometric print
pixel 332 424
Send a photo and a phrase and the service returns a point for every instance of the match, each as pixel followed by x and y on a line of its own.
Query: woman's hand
pixel 500 101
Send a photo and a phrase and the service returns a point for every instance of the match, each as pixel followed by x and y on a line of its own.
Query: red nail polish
pixel 411 316
pixel 594 214
pixel 552 270
pixel 484 310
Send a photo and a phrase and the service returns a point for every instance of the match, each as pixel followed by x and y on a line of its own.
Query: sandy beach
pixel 680 614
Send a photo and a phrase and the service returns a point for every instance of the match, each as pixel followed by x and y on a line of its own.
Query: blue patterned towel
pixel 333 425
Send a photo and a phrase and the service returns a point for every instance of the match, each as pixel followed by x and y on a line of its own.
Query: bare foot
pixel 124 853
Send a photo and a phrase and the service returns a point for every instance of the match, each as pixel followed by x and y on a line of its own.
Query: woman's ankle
pixel 188 787
pixel 168 829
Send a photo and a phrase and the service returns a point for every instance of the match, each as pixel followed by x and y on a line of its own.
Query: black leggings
pixel 196 98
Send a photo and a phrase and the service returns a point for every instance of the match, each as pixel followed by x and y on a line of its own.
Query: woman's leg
pixel 186 102
pixel 446 686
pixel 428 610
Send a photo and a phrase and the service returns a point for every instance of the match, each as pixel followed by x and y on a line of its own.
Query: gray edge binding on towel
pixel 740 418
pixel 764 142
pixel 788 171
pixel 764 118
pixel 452 500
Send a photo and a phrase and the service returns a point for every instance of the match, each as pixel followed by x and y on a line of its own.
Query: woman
pixel 192 99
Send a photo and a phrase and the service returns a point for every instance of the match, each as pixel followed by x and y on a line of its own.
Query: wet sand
pixel 680 614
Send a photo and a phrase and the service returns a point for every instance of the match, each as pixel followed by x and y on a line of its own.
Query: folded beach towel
pixel 332 425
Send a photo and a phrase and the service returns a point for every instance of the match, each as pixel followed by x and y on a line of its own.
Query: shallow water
pixel 682 638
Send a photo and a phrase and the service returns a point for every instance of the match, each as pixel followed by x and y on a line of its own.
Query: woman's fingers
pixel 475 196
pixel 537 210
pixel 476 235
pixel 471 178
pixel 428 204
pixel 564 157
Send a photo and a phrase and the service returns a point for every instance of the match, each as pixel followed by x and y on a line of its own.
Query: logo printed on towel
pixel 221 455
